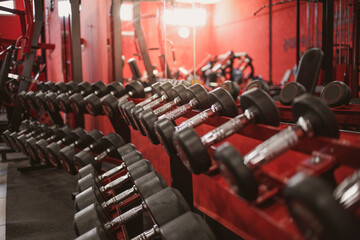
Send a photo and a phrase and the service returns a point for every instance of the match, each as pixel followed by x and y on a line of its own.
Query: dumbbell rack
pixel 268 217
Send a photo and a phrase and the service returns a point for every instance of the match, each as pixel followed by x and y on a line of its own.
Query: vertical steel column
pixel 355 58
pixel 117 41
pixel 76 50
pixel 328 39
pixel 76 41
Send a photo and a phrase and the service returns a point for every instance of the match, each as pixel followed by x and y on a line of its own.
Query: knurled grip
pixel 119 198
pixel 148 100
pixel 225 130
pixel 201 117
pixel 166 107
pixel 155 103
pixel 274 146
pixel 121 219
pixel 180 111
pixel 117 182
pixel 112 171
pixel 147 235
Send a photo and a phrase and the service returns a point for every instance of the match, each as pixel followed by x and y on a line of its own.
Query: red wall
pixel 10 24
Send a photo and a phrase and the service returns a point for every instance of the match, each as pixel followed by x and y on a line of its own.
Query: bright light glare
pixel 64 8
pixel 7 4
pixel 185 16
pixel 199 1
pixel 184 32
pixel 126 12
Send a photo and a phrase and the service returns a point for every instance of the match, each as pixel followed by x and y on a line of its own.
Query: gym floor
pixel 35 205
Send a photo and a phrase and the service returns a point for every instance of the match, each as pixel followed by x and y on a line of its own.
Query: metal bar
pixel 76 41
pixel 117 41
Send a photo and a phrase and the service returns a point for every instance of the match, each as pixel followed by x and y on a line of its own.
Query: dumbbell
pixel 51 88
pixel 89 176
pixel 110 144
pixel 320 213
pixel 30 144
pixel 257 107
pixel 77 102
pixel 22 99
pixel 123 150
pixel 167 95
pixel 125 107
pixel 148 116
pixel 220 101
pixel 313 117
pixel 197 98
pixel 261 84
pixel 39 131
pixel 187 226
pixel 97 193
pixel 181 97
pixel 63 99
pixel 14 135
pixel 164 127
pixel 40 146
pixel 40 95
pixel 291 91
pixel 336 94
pixel 163 207
pixel 67 153
pixel 92 101
pixel 23 128
pixel 51 98
pixel 109 103
pixel 53 149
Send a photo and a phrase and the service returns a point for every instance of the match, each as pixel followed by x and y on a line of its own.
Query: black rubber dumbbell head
pixel 232 87
pixel 236 173
pixel 322 119
pixel 290 91
pixel 136 88
pixel 164 130
pixel 261 102
pixel 224 98
pixel 187 226
pixel 316 213
pixel 54 148
pixel 336 94
pixel 258 84
pixel 200 93
pixel 116 88
pixel 193 153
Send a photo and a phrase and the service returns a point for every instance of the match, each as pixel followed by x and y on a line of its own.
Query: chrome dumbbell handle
pixel 201 117
pixel 117 182
pixel 156 102
pixel 121 219
pixel 112 171
pixel 119 198
pixel 181 111
pixel 149 234
pixel 278 144
pixel 227 129
pixel 166 107
pixel 347 193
